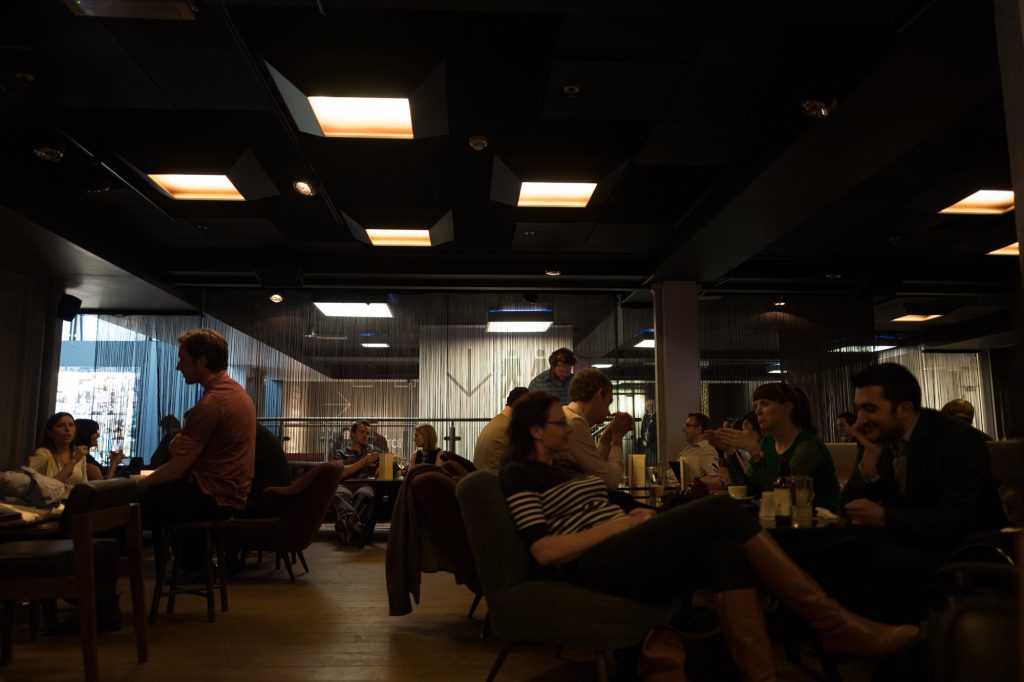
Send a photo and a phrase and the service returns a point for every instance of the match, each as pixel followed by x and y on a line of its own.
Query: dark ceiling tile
pixel 102 77
pixel 204 78
pixel 624 238
pixel 684 144
pixel 611 90
pixel 241 233
pixel 627 36
pixel 551 237
pixel 723 93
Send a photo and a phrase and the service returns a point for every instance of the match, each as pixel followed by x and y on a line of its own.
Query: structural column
pixel 677 362
pixel 1009 17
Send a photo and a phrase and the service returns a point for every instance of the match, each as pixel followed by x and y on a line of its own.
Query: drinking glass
pixel 803 499
pixel 402 460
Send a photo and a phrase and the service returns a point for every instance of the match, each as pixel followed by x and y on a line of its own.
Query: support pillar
pixel 677 362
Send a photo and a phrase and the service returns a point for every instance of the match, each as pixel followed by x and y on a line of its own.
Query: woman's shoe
pixel 839 631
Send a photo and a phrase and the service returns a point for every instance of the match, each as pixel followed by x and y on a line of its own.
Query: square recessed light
pixel 983 202
pixel 556 194
pixel 389 237
pixel 375 117
pixel 602 365
pixel 197 187
pixel 374 345
pixel 915 318
pixel 1010 250
pixel 646 343
pixel 354 309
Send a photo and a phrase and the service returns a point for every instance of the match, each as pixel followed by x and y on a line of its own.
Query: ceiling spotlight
pixel 552 272
pixel 478 142
pixel 818 109
pixel 276 297
pixel 305 188
pixel 570 90
pixel 779 302
pixel 833 275
pixel 48 153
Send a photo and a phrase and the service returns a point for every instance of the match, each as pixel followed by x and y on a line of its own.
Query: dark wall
pixel 1008 388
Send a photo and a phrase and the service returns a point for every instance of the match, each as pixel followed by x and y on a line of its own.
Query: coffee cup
pixel 737 492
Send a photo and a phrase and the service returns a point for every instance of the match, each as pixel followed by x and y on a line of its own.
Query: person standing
pixel 556 380
pixel 649 433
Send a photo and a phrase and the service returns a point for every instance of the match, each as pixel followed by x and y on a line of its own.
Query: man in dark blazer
pixel 923 478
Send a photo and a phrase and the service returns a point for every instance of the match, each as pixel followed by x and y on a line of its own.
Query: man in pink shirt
pixel 209 473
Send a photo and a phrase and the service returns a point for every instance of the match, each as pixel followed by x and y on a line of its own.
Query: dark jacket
pixel 950 491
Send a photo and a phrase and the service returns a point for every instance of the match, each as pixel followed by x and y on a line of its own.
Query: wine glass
pixel 402 459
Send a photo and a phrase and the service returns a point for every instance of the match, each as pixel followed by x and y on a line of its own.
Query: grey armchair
pixel 525 607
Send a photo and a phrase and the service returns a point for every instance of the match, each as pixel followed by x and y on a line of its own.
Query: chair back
pixel 303 504
pixel 93 496
pixel 434 495
pixel 502 560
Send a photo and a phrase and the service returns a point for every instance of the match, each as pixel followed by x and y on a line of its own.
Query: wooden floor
pixel 331 625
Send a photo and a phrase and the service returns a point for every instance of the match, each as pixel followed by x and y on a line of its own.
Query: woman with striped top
pixel 567 520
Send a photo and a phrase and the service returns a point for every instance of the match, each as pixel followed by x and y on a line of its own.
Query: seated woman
pixel 57 456
pixel 566 520
pixel 427 452
pixel 784 415
pixel 87 433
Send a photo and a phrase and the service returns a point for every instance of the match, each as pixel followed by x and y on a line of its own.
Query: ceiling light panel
pixel 374 345
pixel 532 321
pixel 354 309
pixel 389 237
pixel 197 187
pixel 916 318
pixel 1010 250
pixel 375 117
pixel 556 194
pixel 983 202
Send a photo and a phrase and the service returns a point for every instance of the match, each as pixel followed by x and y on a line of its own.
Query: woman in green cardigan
pixel 784 415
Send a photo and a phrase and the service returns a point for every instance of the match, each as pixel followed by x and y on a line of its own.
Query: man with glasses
pixel 556 380
pixel 700 459
pixel 591 394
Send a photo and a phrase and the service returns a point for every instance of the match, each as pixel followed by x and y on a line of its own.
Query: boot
pixel 742 620
pixel 662 656
pixel 839 631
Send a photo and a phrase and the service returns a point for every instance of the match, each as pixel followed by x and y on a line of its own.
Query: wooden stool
pixel 169 538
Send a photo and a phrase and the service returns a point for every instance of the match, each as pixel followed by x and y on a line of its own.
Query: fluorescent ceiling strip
pixel 519 326
pixel 389 237
pixel 188 187
pixel 556 194
pixel 354 309
pixel 373 117
pixel 983 202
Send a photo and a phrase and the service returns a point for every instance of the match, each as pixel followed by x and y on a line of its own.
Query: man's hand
pixel 872 450
pixel 864 512
pixel 371 458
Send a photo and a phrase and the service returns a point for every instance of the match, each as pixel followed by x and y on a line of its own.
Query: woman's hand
pixel 79 453
pixel 725 439
pixel 116 456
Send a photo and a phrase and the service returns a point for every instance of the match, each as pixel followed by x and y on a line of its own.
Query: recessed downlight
pixel 1008 250
pixel 304 187
pixel 276 297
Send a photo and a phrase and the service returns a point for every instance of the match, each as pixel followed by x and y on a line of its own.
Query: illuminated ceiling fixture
pixel 374 117
pixel 394 237
pixel 817 108
pixel 777 371
pixel 1011 250
pixel 779 302
pixel 374 345
pixel 556 194
pixel 276 297
pixel 197 187
pixel 602 365
pixel 354 309
pixel 305 188
pixel 645 339
pixel 532 321
pixel 983 202
pixel 915 318
pixel 862 349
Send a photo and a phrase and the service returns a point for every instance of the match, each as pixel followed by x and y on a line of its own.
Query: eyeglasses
pixel 560 422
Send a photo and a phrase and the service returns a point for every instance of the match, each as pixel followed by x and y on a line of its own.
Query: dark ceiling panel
pixel 551 237
pixel 624 238
pixel 638 37
pixel 204 78
pixel 686 144
pixel 613 90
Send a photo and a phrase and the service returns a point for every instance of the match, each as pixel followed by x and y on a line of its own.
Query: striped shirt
pixel 545 501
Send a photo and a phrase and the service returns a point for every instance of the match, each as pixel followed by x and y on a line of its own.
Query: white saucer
pixel 742 499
